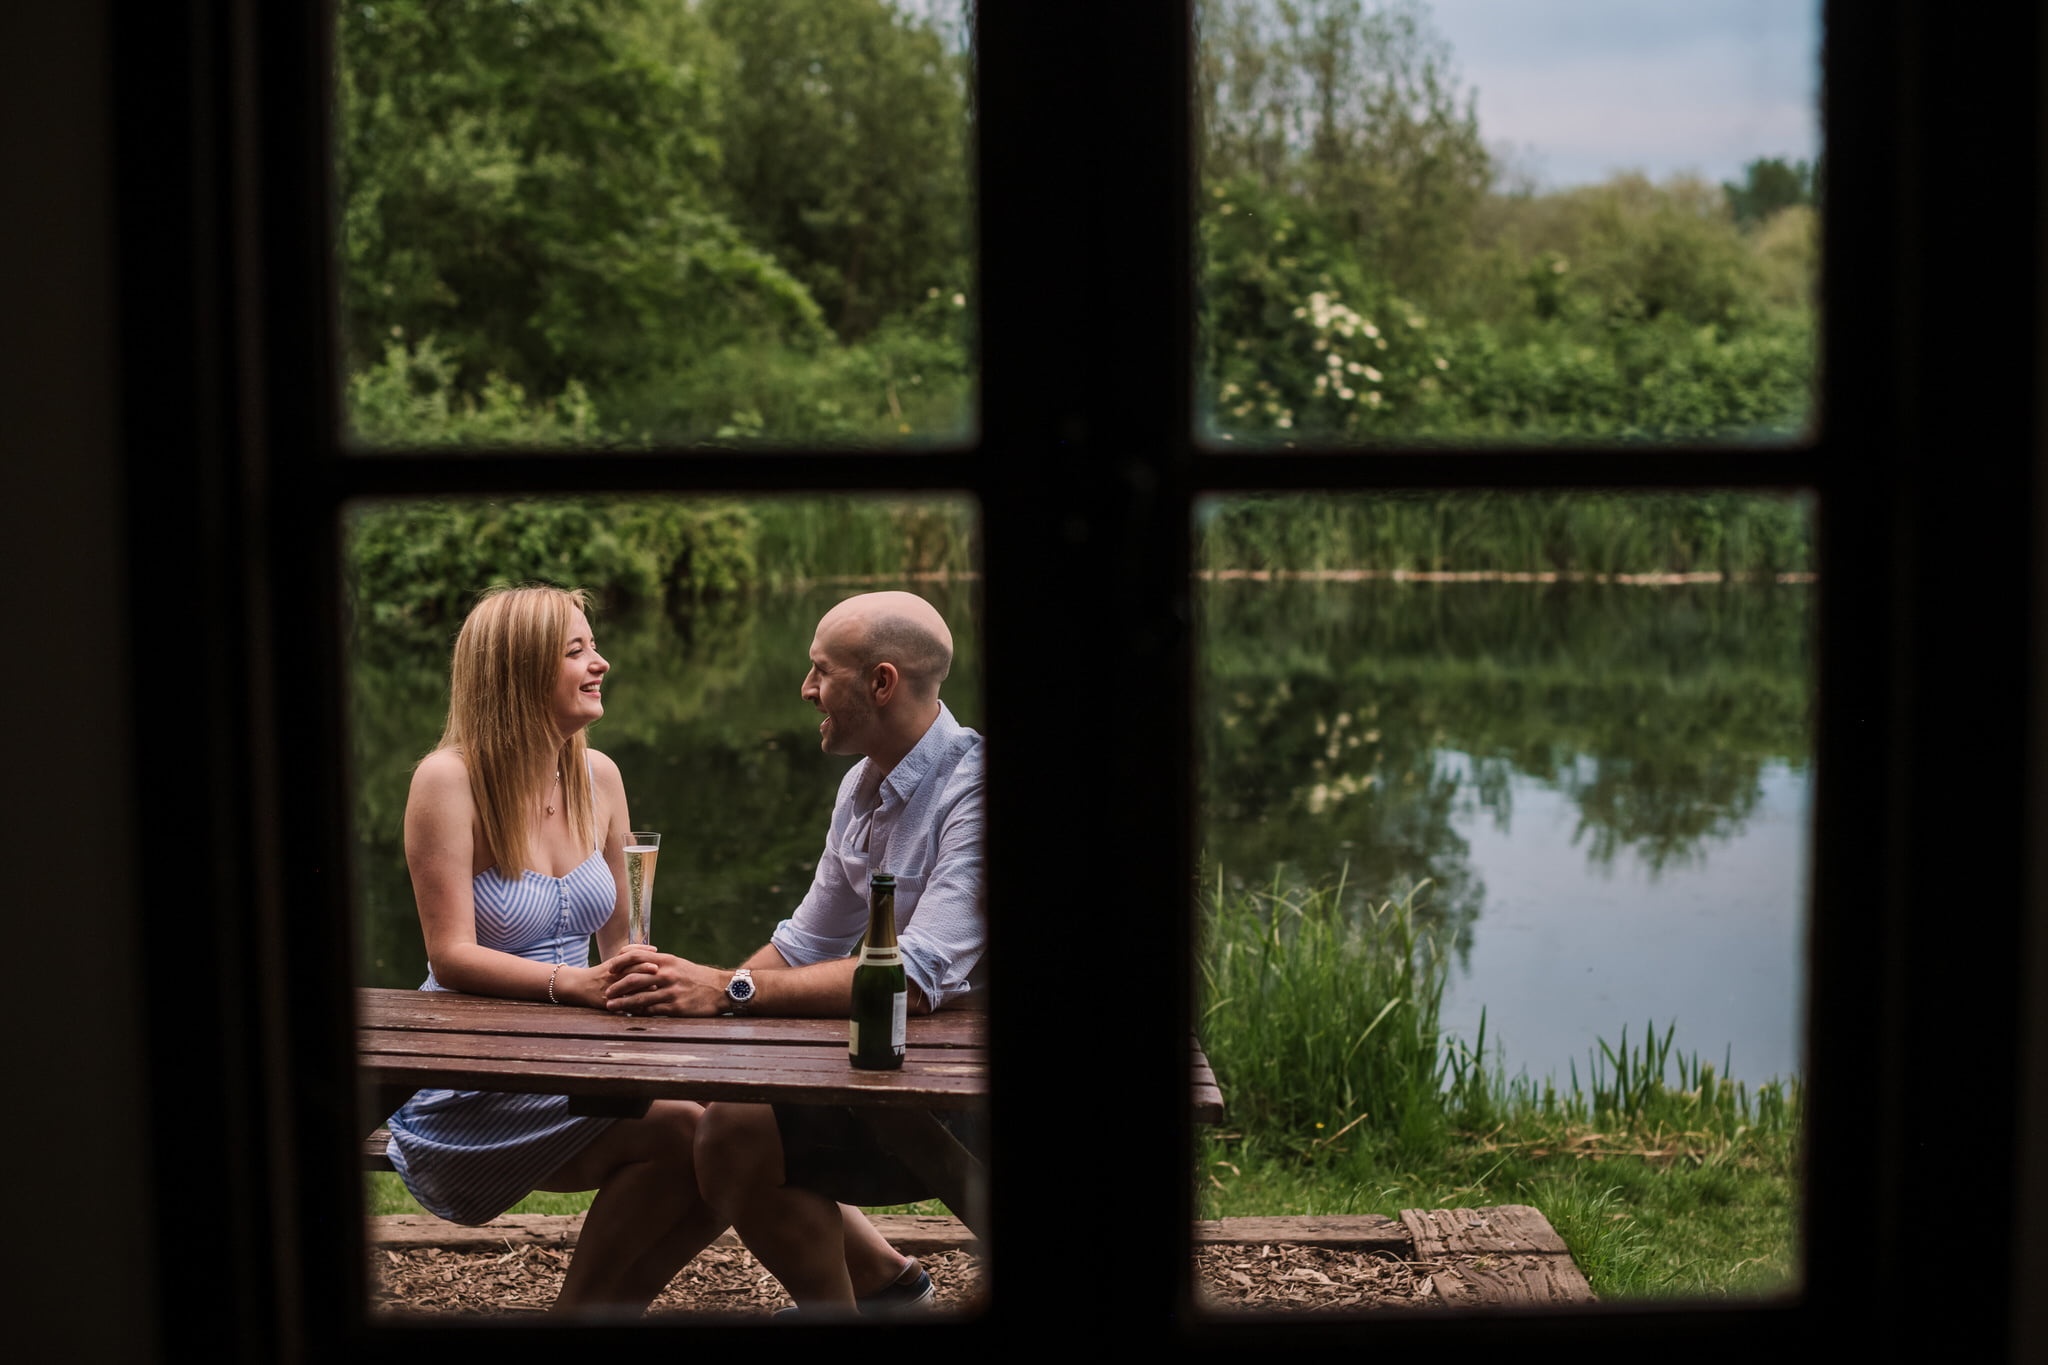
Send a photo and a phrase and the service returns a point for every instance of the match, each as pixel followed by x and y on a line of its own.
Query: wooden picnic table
pixel 614 1065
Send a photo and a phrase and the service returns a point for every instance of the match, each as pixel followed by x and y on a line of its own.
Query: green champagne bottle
pixel 874 1033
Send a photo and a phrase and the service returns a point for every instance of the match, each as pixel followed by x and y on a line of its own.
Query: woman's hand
pixel 583 986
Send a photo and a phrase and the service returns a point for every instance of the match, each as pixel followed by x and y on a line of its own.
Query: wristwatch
pixel 739 992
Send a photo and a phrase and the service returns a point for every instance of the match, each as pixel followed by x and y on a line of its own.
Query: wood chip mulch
pixel 1278 1277
pixel 1275 1277
pixel 526 1279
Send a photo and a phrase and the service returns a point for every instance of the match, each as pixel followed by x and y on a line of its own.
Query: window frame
pixel 1086 470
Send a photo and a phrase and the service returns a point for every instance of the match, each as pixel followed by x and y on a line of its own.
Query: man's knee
pixel 738 1148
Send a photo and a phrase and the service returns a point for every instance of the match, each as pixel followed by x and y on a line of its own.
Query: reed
pixel 1320 1015
pixel 1729 533
pixel 798 541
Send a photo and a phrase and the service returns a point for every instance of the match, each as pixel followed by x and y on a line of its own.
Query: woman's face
pixel 579 685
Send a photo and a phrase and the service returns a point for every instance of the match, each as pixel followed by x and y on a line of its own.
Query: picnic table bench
pixel 612 1065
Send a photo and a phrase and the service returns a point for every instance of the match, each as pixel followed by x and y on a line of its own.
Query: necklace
pixel 556 783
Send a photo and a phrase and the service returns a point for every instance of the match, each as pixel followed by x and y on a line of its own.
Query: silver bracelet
pixel 551 984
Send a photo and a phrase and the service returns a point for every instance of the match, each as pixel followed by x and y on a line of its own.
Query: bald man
pixel 787 1176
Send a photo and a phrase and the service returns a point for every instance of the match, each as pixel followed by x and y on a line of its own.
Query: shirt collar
pixel 911 768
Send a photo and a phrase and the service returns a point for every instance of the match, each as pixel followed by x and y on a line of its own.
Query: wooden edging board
pixel 1501 1255
pixel 912 1233
pixel 1507 1255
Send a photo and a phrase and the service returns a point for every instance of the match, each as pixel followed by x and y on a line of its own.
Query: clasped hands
pixel 643 981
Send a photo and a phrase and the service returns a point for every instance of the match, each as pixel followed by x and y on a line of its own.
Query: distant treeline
pixel 421 563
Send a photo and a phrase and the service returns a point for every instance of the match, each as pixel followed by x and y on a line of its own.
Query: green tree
pixel 1768 186
pixel 1632 250
pixel 1354 108
pixel 845 133
pixel 529 185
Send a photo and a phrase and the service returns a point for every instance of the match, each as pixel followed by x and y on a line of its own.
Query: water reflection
pixel 1561 749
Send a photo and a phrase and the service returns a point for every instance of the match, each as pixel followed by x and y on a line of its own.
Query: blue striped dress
pixel 468 1155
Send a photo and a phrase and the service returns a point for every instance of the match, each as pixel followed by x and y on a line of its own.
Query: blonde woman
pixel 515 836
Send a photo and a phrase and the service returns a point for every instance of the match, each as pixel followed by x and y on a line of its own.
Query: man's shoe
pixel 909 1292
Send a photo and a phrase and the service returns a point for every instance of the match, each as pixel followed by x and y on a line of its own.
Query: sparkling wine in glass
pixel 642 848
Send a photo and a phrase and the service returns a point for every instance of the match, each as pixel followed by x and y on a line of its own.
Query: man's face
pixel 837 686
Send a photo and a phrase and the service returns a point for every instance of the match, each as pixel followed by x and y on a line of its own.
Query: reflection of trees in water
pixel 1300 781
pixel 1331 708
pixel 1667 817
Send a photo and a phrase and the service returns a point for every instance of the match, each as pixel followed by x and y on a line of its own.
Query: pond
pixel 1606 788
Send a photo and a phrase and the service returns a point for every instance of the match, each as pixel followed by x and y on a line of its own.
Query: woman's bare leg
pixel 647 1220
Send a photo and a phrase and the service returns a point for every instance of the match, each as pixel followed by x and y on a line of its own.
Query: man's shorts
pixel 828 1151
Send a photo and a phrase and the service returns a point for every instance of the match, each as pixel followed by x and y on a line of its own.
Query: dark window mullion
pixel 441 473
pixel 1085 323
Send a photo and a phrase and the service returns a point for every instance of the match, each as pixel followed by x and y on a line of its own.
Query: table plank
pixel 665 1054
pixel 441 1011
pixel 479 1038
pixel 798 1080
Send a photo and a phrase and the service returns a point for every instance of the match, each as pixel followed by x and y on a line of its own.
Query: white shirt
pixel 923 823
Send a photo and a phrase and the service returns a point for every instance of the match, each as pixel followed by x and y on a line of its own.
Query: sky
pixel 1571 91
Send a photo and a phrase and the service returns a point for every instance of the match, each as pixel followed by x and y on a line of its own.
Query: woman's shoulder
pixel 604 770
pixel 441 773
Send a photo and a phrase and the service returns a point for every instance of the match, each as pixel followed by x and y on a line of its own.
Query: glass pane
pixel 1492 220
pixel 634 222
pixel 1505 826
pixel 704 611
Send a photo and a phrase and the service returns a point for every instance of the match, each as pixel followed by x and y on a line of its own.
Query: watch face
pixel 742 988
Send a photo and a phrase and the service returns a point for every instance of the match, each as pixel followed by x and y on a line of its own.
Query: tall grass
pixel 807 539
pixel 1522 532
pixel 1320 1016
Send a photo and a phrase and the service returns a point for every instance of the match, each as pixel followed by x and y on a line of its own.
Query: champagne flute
pixel 642 848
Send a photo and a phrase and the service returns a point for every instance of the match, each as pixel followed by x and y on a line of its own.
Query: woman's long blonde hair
pixel 501 720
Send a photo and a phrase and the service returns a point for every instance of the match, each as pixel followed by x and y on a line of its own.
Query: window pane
pixel 1488 220
pixel 1505 826
pixel 704 609
pixel 631 222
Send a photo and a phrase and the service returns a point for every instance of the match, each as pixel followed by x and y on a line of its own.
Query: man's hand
pixel 646 982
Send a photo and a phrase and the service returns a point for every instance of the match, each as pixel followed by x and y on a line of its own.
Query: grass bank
pixel 1320 1017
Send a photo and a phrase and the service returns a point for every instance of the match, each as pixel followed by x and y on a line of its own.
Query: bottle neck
pixel 881 923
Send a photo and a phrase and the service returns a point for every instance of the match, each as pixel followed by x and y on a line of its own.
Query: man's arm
pixel 659 983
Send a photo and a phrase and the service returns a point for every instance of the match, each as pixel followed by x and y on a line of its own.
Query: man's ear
pixel 885 682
